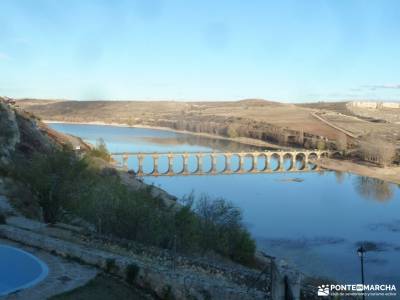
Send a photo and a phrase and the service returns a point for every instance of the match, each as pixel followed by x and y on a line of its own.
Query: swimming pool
pixel 19 270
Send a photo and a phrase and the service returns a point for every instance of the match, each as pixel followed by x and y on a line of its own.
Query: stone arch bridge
pixel 246 162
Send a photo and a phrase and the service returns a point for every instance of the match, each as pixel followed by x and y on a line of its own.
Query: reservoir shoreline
pixel 244 141
pixel 386 174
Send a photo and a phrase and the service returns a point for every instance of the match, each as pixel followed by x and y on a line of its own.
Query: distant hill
pixel 250 118
pixel 256 119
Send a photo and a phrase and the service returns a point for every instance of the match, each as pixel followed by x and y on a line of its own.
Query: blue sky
pixel 293 51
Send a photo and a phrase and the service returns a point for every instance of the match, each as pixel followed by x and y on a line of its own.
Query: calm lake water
pixel 315 225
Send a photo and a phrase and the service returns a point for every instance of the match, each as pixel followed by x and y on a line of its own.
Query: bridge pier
pixel 266 163
pixel 281 167
pixel 241 164
pixel 140 165
pixel 185 158
pixel 306 162
pixel 155 164
pixel 253 162
pixel 200 163
pixel 125 158
pixel 213 169
pixel 228 161
pixel 255 159
pixel 170 158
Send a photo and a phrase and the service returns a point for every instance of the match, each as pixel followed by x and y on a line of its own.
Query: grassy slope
pixel 103 288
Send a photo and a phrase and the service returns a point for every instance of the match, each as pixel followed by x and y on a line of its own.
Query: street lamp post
pixel 360 252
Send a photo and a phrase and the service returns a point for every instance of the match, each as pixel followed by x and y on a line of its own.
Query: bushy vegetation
pixel 100 151
pixel 132 272
pixel 217 226
pixel 2 219
pixel 5 128
pixel 321 145
pixel 64 184
pixel 111 265
pixel 54 179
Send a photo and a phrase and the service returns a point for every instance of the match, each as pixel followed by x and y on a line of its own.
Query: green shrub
pixel 53 179
pixel 321 145
pixel 100 150
pixel 231 132
pixel 2 219
pixel 111 266
pixel 216 225
pixel 6 131
pixel 131 273
pixel 167 293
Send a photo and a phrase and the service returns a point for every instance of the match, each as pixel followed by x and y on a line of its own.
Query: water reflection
pixel 371 246
pixel 375 189
pixel 340 176
pixel 391 226
pixel 305 242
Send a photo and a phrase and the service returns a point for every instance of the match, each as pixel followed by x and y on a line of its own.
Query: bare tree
pixel 378 151
pixel 341 142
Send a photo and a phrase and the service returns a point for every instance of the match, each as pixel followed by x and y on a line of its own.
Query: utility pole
pixel 360 252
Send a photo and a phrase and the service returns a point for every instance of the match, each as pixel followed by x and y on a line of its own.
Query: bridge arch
pixel 207 159
pixel 275 162
pixel 191 164
pixel 235 163
pixel 148 166
pixel 177 164
pixel 217 160
pixel 227 163
pixel 312 158
pixel 261 162
pixel 163 164
pixel 247 162
pixel 287 160
pixel 300 161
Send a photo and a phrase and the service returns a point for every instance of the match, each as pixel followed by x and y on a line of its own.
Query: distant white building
pixel 375 104
pixel 390 104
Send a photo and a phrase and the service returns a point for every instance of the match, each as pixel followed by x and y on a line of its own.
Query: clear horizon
pixel 287 51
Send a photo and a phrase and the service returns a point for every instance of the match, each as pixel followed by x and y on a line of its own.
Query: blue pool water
pixel 19 270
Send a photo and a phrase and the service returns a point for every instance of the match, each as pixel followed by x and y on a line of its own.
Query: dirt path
pixel 346 132
pixel 387 174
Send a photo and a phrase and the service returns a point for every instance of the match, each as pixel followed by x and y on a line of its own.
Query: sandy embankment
pixel 390 174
